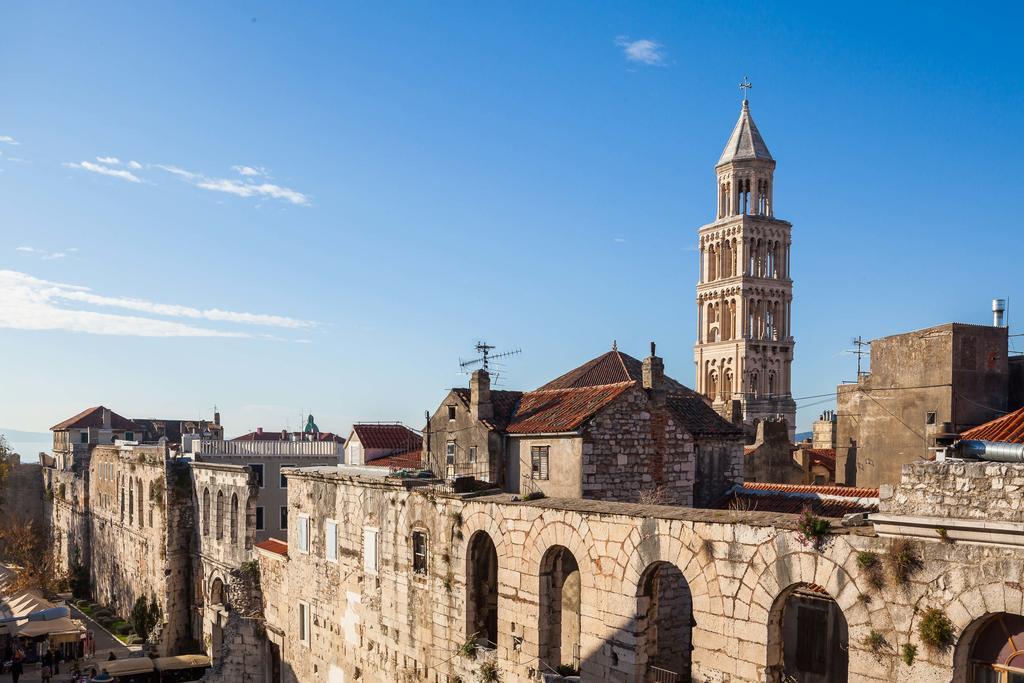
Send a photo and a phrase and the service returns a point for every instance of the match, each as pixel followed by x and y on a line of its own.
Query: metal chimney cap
pixel 998 304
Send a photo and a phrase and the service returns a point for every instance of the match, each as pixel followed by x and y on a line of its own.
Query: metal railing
pixel 656 674
pixel 283 448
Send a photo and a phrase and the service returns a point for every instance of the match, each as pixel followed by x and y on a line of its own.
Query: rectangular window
pixel 283 483
pixel 451 412
pixel 331 540
pixel 449 453
pixel 304 623
pixel 812 633
pixel 419 552
pixel 370 550
pixel 930 418
pixel 84 438
pixel 284 517
pixel 259 518
pixel 539 462
pixel 303 531
pixel 472 453
pixel 257 469
pixel 129 436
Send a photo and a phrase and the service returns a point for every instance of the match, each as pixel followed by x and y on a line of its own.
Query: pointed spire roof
pixel 746 142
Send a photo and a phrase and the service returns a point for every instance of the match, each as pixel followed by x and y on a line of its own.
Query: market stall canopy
pixel 181 662
pixel 127 667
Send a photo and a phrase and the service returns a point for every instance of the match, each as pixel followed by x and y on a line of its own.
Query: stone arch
pixel 664 615
pixel 482 589
pixel 995 638
pixel 782 565
pixel 217 593
pixel 983 597
pixel 560 601
pixel 808 637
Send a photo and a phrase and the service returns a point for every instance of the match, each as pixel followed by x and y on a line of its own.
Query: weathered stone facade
pixel 141 523
pixel 954 375
pixel 376 613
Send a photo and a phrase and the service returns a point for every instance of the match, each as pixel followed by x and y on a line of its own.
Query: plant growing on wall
pixel 908 653
pixel 468 648
pixel 813 529
pixel 534 495
pixel 489 672
pixel 903 560
pixel 871 565
pixel 935 629
pixel 875 641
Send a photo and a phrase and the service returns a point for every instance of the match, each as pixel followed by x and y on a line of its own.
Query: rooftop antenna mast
pixel 859 352
pixel 485 349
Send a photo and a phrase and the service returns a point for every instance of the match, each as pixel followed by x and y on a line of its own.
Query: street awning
pixel 181 662
pixel 127 667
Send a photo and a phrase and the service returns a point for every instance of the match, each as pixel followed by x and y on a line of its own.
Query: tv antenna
pixel 485 349
pixel 859 352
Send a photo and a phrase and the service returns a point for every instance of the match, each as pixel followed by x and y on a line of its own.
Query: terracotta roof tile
pixel 395 437
pixel 93 417
pixel 844 491
pixel 274 546
pixel 503 402
pixel 411 459
pixel 697 416
pixel 562 410
pixel 793 499
pixel 1009 428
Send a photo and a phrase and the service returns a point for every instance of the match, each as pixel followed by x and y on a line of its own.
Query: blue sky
pixel 349 196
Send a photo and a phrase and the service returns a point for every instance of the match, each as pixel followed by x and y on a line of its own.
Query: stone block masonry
pixel 406 592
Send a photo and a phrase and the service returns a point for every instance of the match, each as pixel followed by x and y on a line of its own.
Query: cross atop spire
pixel 745 85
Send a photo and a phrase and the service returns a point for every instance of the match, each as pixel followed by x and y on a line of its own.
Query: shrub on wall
pixel 903 560
pixel 935 629
pixel 813 529
pixel 871 565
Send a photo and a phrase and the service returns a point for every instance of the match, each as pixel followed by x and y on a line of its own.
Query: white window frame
pixel 304 530
pixel 541 472
pixel 282 481
pixel 304 622
pixel 331 540
pixel 368 567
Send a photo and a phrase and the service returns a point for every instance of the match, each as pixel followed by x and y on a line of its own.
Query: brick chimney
pixel 106 418
pixel 216 418
pixel 654 376
pixel 480 395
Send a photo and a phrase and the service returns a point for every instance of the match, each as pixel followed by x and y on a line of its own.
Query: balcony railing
pixel 267 448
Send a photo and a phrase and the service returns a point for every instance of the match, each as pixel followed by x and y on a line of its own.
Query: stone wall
pixel 384 621
pixel 719 465
pixel 139 532
pixel 24 490
pixel 65 510
pixel 958 490
pixel 635 447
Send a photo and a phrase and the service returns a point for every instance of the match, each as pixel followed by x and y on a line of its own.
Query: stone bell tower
pixel 744 349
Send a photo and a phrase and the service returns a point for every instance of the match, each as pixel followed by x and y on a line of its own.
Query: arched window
pixel 807 637
pixel 233 520
pixel 206 512
pixel 771 383
pixel 754 388
pixel 482 590
pixel 131 502
pixel 217 592
pixel 712 264
pixel 220 515
pixel 993 647
pixel 665 624
pixel 560 600
pixel 727 385
pixel 713 384
pixel 141 499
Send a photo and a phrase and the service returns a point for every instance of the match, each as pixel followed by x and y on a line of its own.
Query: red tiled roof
pixel 93 417
pixel 395 437
pixel 826 457
pixel 793 499
pixel 844 491
pixel 562 410
pixel 411 459
pixel 274 546
pixel 608 368
pixel 503 405
pixel 289 436
pixel 1009 428
pixel 696 416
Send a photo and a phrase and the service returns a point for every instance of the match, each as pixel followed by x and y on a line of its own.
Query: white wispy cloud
pixel 105 170
pixel 250 171
pixel 9 140
pixel 643 51
pixel 134 165
pixel 30 303
pixel 241 188
pixel 112 161
pixel 45 254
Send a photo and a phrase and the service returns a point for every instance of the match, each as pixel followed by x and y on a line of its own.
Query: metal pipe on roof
pixel 995 451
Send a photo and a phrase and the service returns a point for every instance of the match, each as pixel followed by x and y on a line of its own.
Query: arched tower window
pixel 220 515
pixel 771 382
pixel 206 512
pixel 233 520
